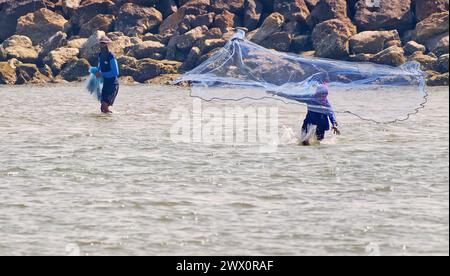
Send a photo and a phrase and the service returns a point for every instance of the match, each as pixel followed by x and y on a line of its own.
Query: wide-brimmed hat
pixel 104 40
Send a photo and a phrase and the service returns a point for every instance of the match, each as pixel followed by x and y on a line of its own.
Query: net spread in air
pixel 245 70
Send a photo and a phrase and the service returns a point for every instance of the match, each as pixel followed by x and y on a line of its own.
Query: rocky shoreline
pixel 44 41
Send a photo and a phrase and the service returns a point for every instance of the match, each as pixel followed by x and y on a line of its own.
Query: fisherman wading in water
pixel 109 70
pixel 320 114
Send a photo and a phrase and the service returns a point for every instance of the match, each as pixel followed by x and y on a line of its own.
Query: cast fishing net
pixel 94 85
pixel 245 70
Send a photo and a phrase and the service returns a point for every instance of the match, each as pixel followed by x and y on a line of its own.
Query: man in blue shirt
pixel 320 112
pixel 109 70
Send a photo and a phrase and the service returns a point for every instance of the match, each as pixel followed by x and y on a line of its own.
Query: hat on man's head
pixel 104 40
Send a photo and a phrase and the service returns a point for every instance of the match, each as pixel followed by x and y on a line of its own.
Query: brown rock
pixel 56 59
pixel 234 6
pixel 391 14
pixel 133 19
pixel 438 44
pixel 120 43
pixel 12 10
pixel 40 25
pixel 88 9
pixel 148 49
pixel 171 24
pixel 327 10
pixel 203 20
pixel 330 38
pixel 144 3
pixel 187 41
pixel 425 8
pixel 393 56
pixel 373 42
pixel 436 79
pixel 56 41
pixel 127 65
pixel 412 47
pixel 21 48
pixel 192 59
pixel 165 79
pixel 102 22
pixel 76 43
pixel 211 44
pixel 301 43
pixel 271 25
pixel 442 64
pixel 91 48
pixel 31 74
pixel 226 20
pixel 252 14
pixel 3 54
pixel 75 70
pixel 426 62
pixel 167 7
pixel 311 4
pixel 292 10
pixel 431 26
pixel 278 41
pixel 7 73
pixel 361 58
pixel 149 69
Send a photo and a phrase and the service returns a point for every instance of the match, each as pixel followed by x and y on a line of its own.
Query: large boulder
pixel 149 69
pixel 12 10
pixel 56 59
pixel 226 20
pixel 187 41
pixel 427 62
pixel 148 49
pixel 292 10
pixel 31 74
pixel 56 41
pixel 330 38
pixel 91 47
pixel 234 6
pixel 203 20
pixel 272 24
pixel 327 10
pixel 21 48
pixel 171 24
pixel 127 65
pixel 436 79
pixel 3 54
pixel 252 14
pixel 76 43
pixel 442 64
pixel 372 42
pixel 278 41
pixel 121 43
pixel 393 56
pixel 75 70
pixel 167 7
pixel 438 44
pixel 102 22
pixel 433 25
pixel 412 47
pixel 40 25
pixel 425 8
pixel 7 73
pixel 89 9
pixel 301 43
pixel 134 19
pixel 391 14
pixel 191 61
